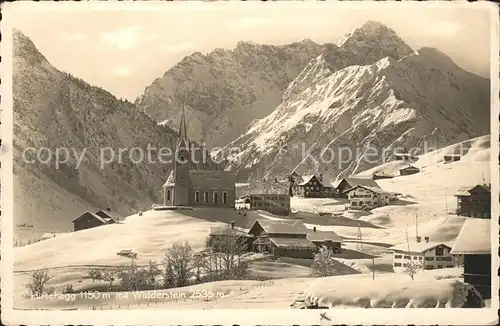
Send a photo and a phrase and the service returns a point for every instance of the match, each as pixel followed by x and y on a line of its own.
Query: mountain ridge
pixel 403 98
pixel 224 90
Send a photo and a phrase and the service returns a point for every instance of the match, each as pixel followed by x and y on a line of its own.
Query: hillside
pixel 54 110
pixel 428 194
pixel 225 90
pixel 370 92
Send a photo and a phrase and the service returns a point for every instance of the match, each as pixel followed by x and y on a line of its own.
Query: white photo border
pixel 230 316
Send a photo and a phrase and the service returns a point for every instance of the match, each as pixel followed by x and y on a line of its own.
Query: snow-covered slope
pixel 56 111
pixel 350 104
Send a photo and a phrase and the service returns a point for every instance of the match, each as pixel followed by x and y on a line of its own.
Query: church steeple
pixel 183 139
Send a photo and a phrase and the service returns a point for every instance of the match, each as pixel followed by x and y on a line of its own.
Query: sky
pixel 125 51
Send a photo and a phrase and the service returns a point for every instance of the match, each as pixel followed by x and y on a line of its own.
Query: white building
pixel 361 197
pixel 429 255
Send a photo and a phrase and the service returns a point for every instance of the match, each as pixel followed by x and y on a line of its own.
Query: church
pixel 191 183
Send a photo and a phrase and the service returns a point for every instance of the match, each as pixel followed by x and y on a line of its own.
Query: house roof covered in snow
pixel 282 227
pixel 216 180
pixel 227 231
pixel 109 215
pixel 376 190
pixel 46 236
pixel 293 243
pixel 278 188
pixel 420 247
pixel 361 181
pixel 466 191
pixel 410 167
pixel 323 236
pixel 97 217
pixel 474 237
pixel 306 179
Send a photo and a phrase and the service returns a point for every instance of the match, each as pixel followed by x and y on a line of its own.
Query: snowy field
pixel 273 294
pixel 427 195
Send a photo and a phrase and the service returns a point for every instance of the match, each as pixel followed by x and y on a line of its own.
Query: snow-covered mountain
pixel 54 110
pixel 224 90
pixel 370 91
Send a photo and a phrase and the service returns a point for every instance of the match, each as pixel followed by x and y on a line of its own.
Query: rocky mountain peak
pixel 24 48
pixel 226 89
pixel 376 38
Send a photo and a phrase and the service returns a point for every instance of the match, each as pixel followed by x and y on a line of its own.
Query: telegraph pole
pixel 373 264
pixel 359 245
pixel 416 224
pixel 445 202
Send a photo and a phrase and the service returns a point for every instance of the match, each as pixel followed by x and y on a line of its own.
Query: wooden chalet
pixel 329 239
pixel 351 182
pixel 223 238
pixel 409 170
pixel 428 254
pixel 405 157
pixel 310 186
pixel 473 242
pixel 451 158
pixel 474 201
pixel 282 238
pixel 89 220
pixel 364 197
pixel 274 203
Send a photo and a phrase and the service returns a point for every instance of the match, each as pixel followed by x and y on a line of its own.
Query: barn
pixel 282 238
pixel 409 170
pixel 329 239
pixel 473 242
pixel 89 220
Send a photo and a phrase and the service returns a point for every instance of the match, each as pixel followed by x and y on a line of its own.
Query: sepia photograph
pixel 236 162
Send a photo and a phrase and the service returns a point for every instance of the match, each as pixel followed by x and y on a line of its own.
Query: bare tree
pixel 412 267
pixel 95 274
pixel 324 263
pixel 135 278
pixel 152 271
pixel 178 262
pixel 225 259
pixel 38 284
pixel 109 276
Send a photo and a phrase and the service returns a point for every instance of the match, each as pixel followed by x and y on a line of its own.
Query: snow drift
pixel 387 293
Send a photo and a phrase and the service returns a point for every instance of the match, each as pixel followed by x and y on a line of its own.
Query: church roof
pixel 215 180
pixel 170 180
pixel 182 128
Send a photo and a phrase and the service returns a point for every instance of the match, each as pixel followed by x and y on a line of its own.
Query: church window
pixel 197 196
pixel 216 199
pixel 168 194
pixel 205 197
pixel 224 197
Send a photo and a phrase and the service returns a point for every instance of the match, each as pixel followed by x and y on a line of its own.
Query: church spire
pixel 183 130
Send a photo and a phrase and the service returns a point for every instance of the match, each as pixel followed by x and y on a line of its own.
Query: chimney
pixel 426 239
pixel 232 225
pixel 314 229
pixel 419 239
pixel 108 209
